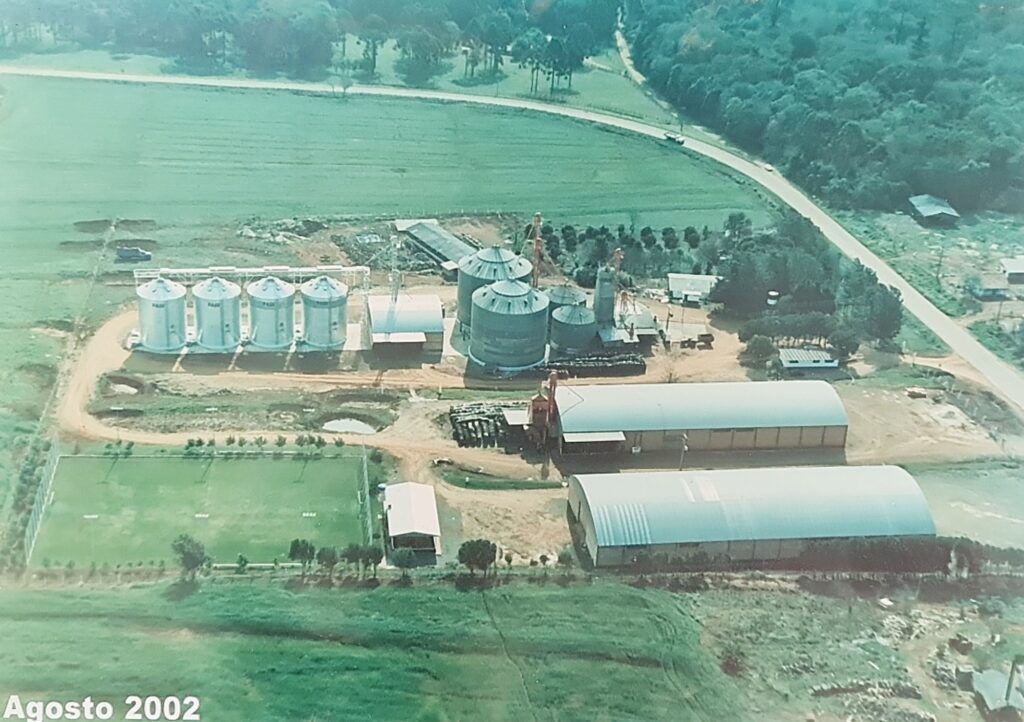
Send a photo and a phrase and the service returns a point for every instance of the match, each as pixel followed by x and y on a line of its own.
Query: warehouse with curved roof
pixel 743 515
pixel 707 416
pixel 405 322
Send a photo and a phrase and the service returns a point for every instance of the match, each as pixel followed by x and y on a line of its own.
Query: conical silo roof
pixel 270 288
pixel 161 289
pixel 324 288
pixel 216 289
pixel 495 264
pixel 510 298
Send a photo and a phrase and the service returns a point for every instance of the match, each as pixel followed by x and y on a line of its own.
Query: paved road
pixel 1004 379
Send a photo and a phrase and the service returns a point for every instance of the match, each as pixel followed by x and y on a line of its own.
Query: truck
pixel 133 255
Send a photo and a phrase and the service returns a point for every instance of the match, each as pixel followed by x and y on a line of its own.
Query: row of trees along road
pixel 310 38
pixel 864 102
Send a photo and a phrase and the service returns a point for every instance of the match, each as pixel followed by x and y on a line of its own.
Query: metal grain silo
pixel 604 296
pixel 573 330
pixel 161 315
pixel 509 329
pixel 218 314
pixel 271 313
pixel 565 296
pixel 484 267
pixel 324 312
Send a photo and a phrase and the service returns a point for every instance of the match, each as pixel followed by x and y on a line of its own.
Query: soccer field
pixel 114 511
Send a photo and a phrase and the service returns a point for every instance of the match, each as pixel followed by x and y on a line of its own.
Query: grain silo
pixel 509 326
pixel 484 267
pixel 161 315
pixel 324 312
pixel 564 296
pixel 271 313
pixel 573 330
pixel 604 296
pixel 218 314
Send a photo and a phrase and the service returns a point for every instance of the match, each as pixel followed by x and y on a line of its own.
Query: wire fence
pixel 42 498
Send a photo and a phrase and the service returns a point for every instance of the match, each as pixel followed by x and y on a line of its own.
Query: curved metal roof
pixel 737 405
pixel 405 314
pixel 574 316
pixel 270 288
pixel 324 288
pixel 161 289
pixel 566 295
pixel 495 264
pixel 510 298
pixel 216 289
pixel 803 502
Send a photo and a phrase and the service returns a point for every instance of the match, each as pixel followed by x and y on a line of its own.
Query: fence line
pixel 35 520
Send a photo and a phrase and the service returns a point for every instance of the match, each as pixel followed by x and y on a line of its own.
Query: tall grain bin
pixel 324 312
pixel 484 267
pixel 161 315
pixel 565 296
pixel 573 330
pixel 604 297
pixel 218 314
pixel 271 313
pixel 510 325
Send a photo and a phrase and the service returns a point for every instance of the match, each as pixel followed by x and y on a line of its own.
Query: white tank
pixel 324 312
pixel 161 315
pixel 271 313
pixel 218 314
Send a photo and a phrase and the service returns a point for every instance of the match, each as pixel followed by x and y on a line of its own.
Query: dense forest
pixel 863 102
pixel 310 38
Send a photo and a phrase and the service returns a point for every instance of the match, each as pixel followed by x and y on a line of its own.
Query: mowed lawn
pixel 115 511
pixel 602 652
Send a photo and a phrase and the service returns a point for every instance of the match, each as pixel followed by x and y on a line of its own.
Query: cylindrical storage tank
pixel 573 330
pixel 324 312
pixel 484 267
pixel 271 313
pixel 509 329
pixel 161 315
pixel 564 296
pixel 604 297
pixel 218 314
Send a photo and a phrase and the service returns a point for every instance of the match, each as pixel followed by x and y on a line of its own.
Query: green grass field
pixel 255 507
pixel 593 653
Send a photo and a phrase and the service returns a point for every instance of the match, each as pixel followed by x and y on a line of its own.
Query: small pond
pixel 349 426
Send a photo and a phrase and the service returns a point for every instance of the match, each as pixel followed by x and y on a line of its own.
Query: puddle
pixel 349 426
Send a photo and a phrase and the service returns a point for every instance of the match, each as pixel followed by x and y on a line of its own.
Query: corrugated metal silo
pixel 161 315
pixel 218 314
pixel 565 296
pixel 604 297
pixel 510 325
pixel 324 312
pixel 486 266
pixel 271 313
pixel 573 330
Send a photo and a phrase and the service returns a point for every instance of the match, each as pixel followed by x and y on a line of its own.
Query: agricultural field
pixel 264 654
pixel 125 510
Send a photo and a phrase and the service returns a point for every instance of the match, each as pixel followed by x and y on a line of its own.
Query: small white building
pixel 1013 269
pixel 807 358
pixel 690 287
pixel 410 514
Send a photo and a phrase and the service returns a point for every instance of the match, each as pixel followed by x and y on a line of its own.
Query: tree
pixel 280 441
pixel 302 551
pixel 759 350
pixel 477 554
pixel 241 564
pixel 327 558
pixel 566 560
pixel 528 52
pixel 844 341
pixel 738 226
pixel 544 559
pixel 191 555
pixel 372 33
pixel 421 55
pixel 508 561
pixel 353 554
pixel 373 556
pixel 691 237
pixel 885 313
pixel 405 559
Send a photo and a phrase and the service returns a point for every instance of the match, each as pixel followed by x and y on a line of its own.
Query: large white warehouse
pixel 743 515
pixel 712 416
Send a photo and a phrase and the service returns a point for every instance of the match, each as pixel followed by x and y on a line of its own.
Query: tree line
pixel 310 38
pixel 864 102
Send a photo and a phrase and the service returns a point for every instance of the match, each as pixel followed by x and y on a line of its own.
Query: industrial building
pixel 807 358
pixel 218 309
pixel 162 326
pixel 403 322
pixel 932 210
pixel 709 416
pixel 441 246
pixel 690 287
pixel 483 268
pixel 410 516
pixel 509 327
pixel 741 515
pixel 324 313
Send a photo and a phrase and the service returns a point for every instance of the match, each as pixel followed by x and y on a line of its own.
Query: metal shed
pixel 746 515
pixel 405 321
pixel 933 210
pixel 712 416
pixel 411 515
